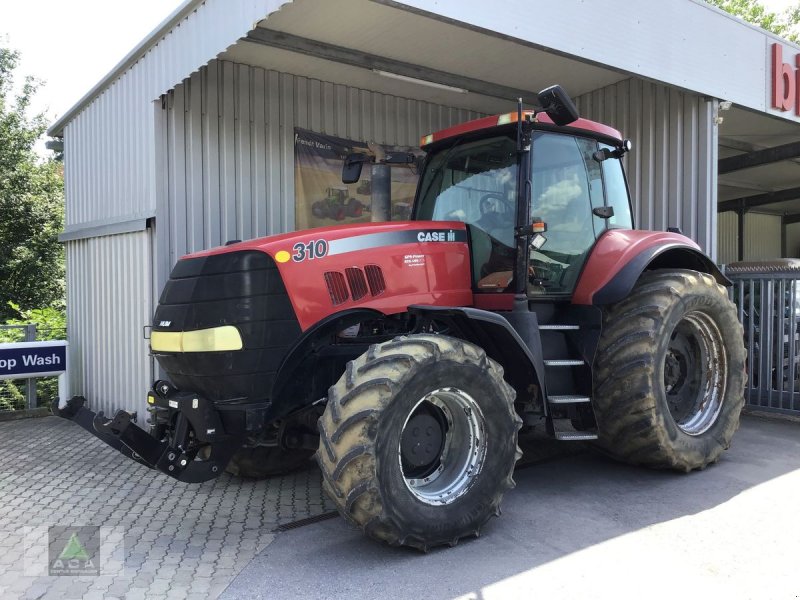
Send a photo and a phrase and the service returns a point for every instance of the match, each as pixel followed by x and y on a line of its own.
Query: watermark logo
pixel 74 550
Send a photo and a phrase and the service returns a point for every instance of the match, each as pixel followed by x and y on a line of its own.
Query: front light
pixel 216 339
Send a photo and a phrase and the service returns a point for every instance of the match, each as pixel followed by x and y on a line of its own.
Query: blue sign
pixel 32 359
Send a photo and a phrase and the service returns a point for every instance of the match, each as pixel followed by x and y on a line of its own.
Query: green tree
pixel 781 23
pixel 31 203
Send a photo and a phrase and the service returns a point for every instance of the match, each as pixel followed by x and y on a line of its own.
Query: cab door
pixel 567 183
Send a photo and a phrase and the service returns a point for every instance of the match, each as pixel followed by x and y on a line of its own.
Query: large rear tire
pixel 670 372
pixel 418 441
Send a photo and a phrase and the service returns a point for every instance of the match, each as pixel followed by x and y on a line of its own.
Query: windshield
pixel 476 183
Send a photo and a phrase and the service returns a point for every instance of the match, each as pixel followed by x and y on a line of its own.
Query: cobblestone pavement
pixel 180 540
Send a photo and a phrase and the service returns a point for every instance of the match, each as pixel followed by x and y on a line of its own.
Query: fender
pixel 620 257
pixel 517 347
pixel 284 403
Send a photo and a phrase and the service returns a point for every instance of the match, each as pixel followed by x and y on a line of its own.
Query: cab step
pixel 556 327
pixel 575 436
pixel 563 363
pixel 568 399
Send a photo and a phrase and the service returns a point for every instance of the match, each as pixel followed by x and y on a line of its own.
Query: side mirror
pixel 351 170
pixel 558 105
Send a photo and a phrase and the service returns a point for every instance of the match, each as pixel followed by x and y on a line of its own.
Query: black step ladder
pixel 569 380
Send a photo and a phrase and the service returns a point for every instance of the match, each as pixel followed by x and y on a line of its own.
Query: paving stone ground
pixel 180 540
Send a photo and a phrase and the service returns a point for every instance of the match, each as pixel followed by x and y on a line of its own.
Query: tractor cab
pixel 535 197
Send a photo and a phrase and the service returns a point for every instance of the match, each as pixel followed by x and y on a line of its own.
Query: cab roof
pixel 581 125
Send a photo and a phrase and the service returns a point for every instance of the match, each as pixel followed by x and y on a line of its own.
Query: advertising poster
pixel 320 196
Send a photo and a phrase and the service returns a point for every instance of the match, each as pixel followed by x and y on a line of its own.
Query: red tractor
pixel 408 355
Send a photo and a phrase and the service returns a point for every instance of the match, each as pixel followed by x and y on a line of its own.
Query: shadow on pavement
pixel 559 508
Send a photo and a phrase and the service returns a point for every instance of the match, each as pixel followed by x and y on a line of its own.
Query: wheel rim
pixel 694 373
pixel 442 446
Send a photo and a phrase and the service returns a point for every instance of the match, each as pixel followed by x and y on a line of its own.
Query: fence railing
pixel 767 297
pixel 21 394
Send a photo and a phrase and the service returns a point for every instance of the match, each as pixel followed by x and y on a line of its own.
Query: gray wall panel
pixel 672 168
pixel 728 237
pixel 762 236
pixel 109 140
pixel 109 302
pixel 230 146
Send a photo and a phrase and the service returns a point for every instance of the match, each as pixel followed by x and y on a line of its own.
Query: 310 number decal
pixel 309 250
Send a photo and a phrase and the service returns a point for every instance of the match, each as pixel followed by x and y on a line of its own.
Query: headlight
pixel 216 339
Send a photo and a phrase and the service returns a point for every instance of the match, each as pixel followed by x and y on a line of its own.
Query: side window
pixel 617 193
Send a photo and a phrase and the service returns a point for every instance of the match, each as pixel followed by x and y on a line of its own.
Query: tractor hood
pixel 383 266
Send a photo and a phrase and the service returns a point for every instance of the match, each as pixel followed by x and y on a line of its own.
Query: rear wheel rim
pixel 440 465
pixel 694 373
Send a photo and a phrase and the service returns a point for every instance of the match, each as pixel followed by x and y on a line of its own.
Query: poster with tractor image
pixel 320 196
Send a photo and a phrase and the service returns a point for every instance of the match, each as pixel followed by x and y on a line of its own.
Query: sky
pixel 72 44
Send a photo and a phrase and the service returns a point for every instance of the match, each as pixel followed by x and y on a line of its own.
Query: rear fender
pixel 621 256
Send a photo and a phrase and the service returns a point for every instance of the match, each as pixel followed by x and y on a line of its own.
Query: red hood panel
pixel 409 262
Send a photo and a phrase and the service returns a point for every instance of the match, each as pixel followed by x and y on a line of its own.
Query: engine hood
pixel 382 266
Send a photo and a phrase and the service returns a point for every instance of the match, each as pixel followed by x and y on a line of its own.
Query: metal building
pixel 189 141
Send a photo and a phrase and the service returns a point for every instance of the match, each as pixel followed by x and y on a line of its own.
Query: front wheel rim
pixel 440 466
pixel 695 369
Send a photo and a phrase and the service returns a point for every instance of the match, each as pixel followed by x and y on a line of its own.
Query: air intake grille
pixel 336 287
pixel 377 285
pixel 357 282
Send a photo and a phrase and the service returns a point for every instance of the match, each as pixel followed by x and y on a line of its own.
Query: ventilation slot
pixel 336 287
pixel 375 279
pixel 357 282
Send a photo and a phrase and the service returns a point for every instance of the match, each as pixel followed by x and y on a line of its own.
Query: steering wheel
pixel 486 204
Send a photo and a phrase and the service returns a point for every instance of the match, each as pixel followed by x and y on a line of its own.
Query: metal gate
pixel 767 297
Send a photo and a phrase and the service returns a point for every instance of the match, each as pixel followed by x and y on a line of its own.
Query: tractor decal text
pixel 395 238
pixel 309 250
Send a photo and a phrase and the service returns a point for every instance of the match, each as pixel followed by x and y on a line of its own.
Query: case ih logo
pixel 785 81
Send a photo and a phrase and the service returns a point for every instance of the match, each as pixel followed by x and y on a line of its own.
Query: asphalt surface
pixel 580 527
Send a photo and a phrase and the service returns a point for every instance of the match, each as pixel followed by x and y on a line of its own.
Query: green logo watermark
pixel 74 550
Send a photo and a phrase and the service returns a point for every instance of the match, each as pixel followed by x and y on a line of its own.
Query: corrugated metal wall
pixel 109 145
pixel 762 236
pixel 793 240
pixel 110 286
pixel 230 146
pixel 727 237
pixel 672 170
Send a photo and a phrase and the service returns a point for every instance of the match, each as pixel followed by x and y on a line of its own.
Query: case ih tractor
pixel 408 355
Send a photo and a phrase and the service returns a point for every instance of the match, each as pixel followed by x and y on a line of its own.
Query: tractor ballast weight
pixel 407 356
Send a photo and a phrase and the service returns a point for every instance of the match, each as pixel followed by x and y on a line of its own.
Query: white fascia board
pixel 683 43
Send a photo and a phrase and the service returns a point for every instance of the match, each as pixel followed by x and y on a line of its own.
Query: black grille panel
pixel 243 289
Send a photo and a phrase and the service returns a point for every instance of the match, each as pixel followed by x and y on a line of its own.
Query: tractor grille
pixel 355 283
pixel 243 289
pixel 377 285
pixel 337 288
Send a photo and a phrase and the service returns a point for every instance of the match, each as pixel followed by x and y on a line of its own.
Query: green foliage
pixel 781 23
pixel 31 202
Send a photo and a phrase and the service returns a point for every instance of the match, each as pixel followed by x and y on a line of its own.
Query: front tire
pixel 670 372
pixel 418 441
